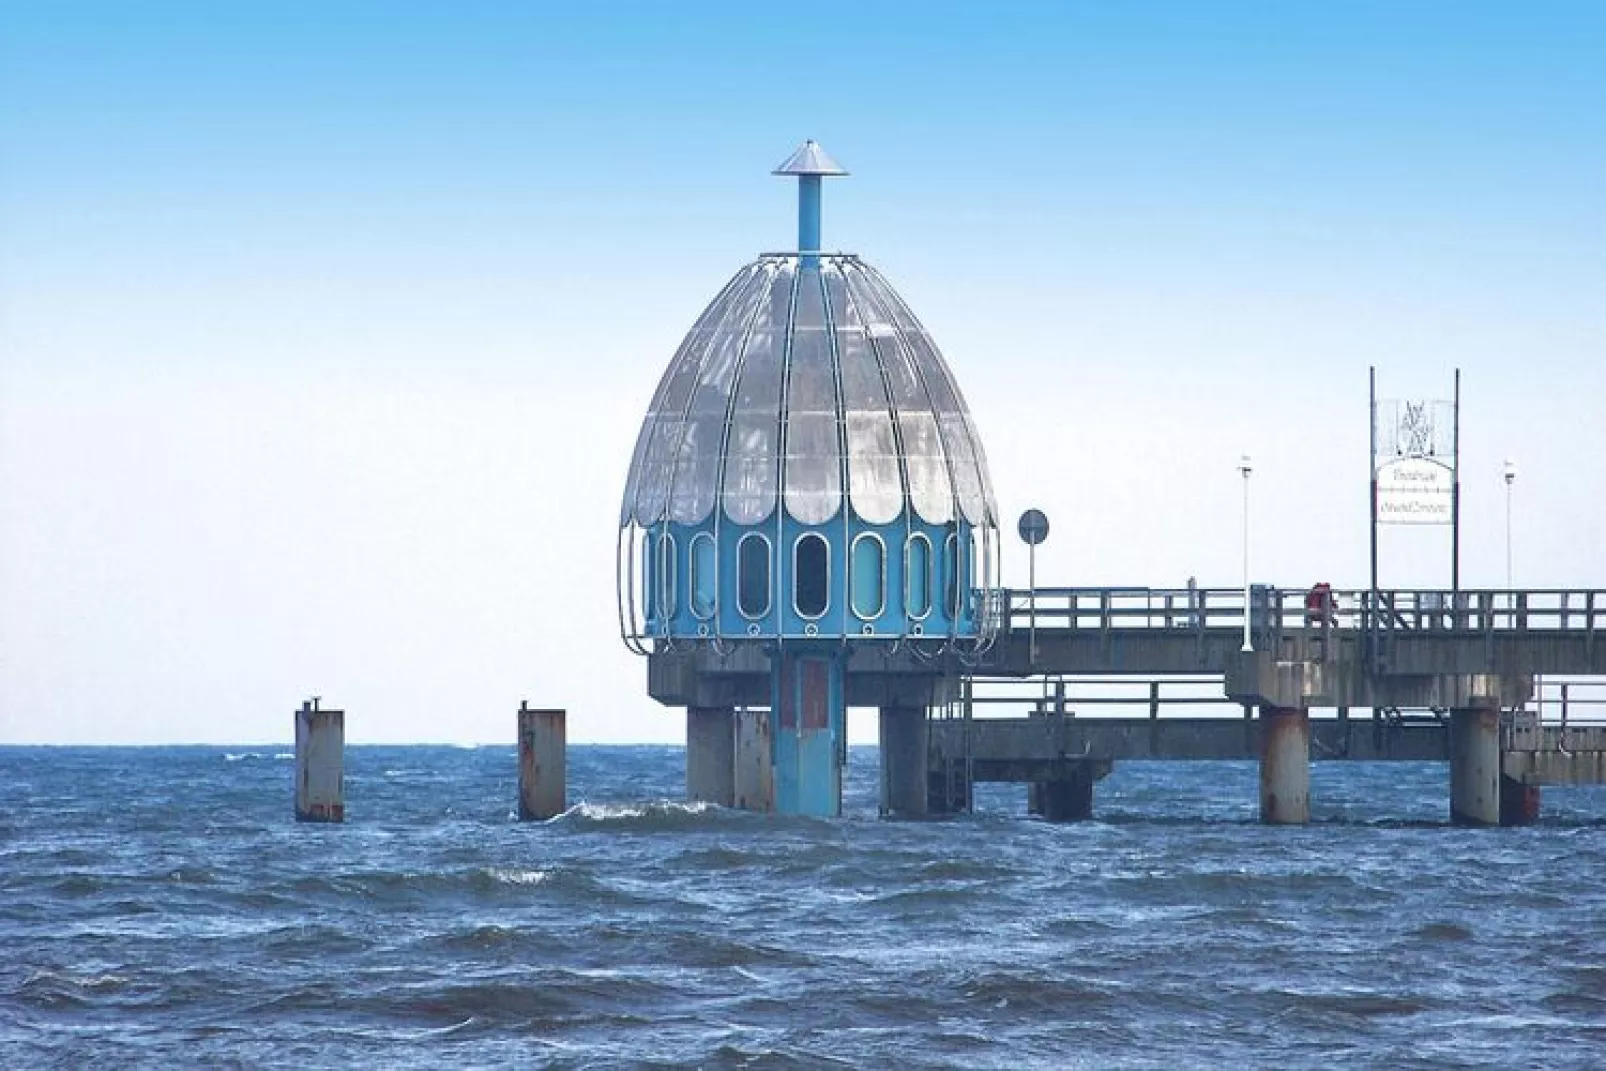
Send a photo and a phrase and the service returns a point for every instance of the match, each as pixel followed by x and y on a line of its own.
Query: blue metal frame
pixel 782 621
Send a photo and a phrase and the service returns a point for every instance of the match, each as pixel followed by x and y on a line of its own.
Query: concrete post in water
pixel 711 755
pixel 320 763
pixel 753 780
pixel 1284 765
pixel 543 788
pixel 1519 803
pixel 1068 798
pixel 904 762
pixel 1475 766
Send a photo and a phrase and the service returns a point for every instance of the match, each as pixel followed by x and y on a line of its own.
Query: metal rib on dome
pixel 808 382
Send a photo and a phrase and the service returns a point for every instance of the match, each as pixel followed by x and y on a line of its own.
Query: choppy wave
pixel 162 908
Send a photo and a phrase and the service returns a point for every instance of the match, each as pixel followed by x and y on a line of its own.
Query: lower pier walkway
pixel 1062 735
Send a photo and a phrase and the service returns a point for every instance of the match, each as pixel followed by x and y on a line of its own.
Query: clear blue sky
pixel 325 328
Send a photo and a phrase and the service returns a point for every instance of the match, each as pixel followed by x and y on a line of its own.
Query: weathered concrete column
pixel 543 773
pixel 1475 766
pixel 904 762
pixel 1284 765
pixel 320 764
pixel 1069 799
pixel 753 777
pixel 1519 803
pixel 711 755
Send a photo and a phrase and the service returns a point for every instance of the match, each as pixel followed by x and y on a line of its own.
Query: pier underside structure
pixel 1467 678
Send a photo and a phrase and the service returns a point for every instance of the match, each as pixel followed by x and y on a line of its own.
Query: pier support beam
pixel 543 789
pixel 947 790
pixel 711 755
pixel 1068 799
pixel 1519 803
pixel 808 688
pixel 903 762
pixel 753 775
pixel 1284 765
pixel 320 764
pixel 1475 766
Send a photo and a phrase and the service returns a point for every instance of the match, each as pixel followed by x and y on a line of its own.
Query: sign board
pixel 1033 527
pixel 1415 462
pixel 1414 490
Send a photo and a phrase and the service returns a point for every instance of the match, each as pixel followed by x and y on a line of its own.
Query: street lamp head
pixel 1244 466
pixel 1509 471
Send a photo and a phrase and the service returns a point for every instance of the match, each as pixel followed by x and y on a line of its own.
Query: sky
pixel 326 329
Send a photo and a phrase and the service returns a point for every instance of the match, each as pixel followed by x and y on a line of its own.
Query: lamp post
pixel 1509 472
pixel 1245 468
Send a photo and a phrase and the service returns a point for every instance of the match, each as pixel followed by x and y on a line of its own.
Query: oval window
pixel 649 570
pixel 666 575
pixel 753 575
pixel 704 576
pixel 917 576
pixel 950 576
pixel 869 576
pixel 811 575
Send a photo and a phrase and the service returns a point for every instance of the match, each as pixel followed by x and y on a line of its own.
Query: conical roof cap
pixel 809 159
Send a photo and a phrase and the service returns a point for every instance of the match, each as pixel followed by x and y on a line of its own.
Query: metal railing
pixel 1066 696
pixel 1271 608
pixel 1568 701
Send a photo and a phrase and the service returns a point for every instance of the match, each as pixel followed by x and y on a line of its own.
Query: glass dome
pixel 807 385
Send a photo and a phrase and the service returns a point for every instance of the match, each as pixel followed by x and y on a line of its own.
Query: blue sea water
pixel 158 906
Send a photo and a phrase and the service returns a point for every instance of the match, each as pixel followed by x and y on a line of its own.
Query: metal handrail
pixel 1568 701
pixel 1477 611
pixel 1062 695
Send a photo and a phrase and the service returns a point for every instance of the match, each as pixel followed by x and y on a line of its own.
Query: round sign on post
pixel 1033 527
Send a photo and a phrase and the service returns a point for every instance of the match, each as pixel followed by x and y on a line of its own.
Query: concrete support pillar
pixel 1284 765
pixel 1069 799
pixel 904 763
pixel 1519 803
pixel 543 775
pixel 320 764
pixel 1475 766
pixel 711 755
pixel 753 776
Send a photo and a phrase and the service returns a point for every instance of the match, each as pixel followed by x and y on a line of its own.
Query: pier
pixel 1078 679
pixel 809 525
pixel 1449 676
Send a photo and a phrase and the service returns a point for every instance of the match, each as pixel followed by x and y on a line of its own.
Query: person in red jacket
pixel 1319 606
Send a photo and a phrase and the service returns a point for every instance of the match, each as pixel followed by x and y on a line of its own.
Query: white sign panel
pixel 1413 490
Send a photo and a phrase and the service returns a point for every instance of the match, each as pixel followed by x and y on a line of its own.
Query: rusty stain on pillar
pixel 1519 803
pixel 320 763
pixel 1284 765
pixel 711 755
pixel 904 761
pixel 754 777
pixel 543 773
pixel 1475 766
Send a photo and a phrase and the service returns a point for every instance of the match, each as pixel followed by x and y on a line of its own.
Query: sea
pixel 159 907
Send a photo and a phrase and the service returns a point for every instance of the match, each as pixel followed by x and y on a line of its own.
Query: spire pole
pixel 810 164
pixel 808 214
